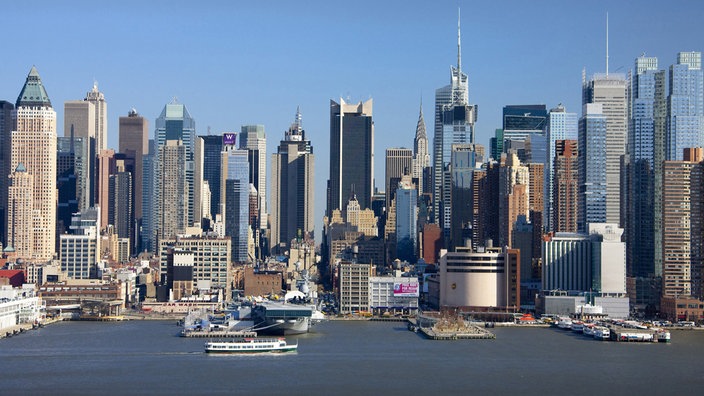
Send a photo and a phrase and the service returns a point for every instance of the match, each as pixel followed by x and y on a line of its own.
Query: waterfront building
pixel 172 190
pixel 80 251
pixel 454 124
pixel 351 154
pixel 602 147
pixel 134 143
pixel 681 237
pixel 421 157
pixel 234 196
pixel 486 278
pixel 641 168
pixel 393 294
pixel 565 187
pixel 19 305
pixel 560 125
pixel 592 159
pixel 33 144
pixel 5 154
pixel 100 117
pixel 209 259
pixel 353 288
pixel 292 171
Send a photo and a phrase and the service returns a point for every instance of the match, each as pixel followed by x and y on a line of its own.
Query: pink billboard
pixel 406 289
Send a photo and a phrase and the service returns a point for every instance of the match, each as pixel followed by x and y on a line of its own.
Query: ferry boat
pixel 251 345
pixel 564 323
pixel 588 329
pixel 577 326
pixel 602 333
pixel 663 335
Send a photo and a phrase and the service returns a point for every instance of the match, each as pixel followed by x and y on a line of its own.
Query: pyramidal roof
pixel 420 128
pixel 33 93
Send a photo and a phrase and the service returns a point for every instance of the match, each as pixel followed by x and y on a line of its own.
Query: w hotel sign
pixel 229 138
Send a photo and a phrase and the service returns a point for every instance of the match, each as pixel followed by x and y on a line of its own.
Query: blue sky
pixel 252 62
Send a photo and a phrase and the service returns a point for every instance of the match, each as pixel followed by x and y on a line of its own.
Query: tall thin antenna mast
pixel 607 44
pixel 459 46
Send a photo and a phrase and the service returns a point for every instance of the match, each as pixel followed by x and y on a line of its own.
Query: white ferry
pixel 250 345
pixel 602 333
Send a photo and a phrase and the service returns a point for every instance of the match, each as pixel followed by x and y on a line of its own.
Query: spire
pixel 459 45
pixel 33 93
pixel 607 44
pixel 420 128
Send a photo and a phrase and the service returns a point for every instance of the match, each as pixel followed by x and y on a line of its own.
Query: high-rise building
pixel 80 250
pixel 253 139
pixel 79 122
pixel 462 167
pixel 212 158
pixel 421 157
pixel 406 198
pixel 71 181
pixel 172 190
pixel 565 187
pixel 560 125
pixel 609 91
pixel 592 159
pixel 100 107
pixel 685 105
pixel 454 124
pixel 234 196
pixel 120 204
pixel 105 168
pixel 523 124
pixel 134 143
pixel 399 162
pixel 351 154
pixel 292 170
pixel 677 237
pixel 5 170
pixel 514 195
pixel 33 145
pixel 641 164
pixel 147 235
pixel 176 123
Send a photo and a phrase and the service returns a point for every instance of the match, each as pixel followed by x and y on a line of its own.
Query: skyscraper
pixel 100 117
pixel 235 196
pixel 565 187
pixel 79 123
pixel 608 90
pixel 5 136
pixel 645 139
pixel 212 158
pixel 592 167
pixel 421 157
pixel 253 138
pixel 134 142
pixel 521 124
pixel 172 190
pixel 351 154
pixel 399 162
pixel 292 168
pixel 34 146
pixel 560 125
pixel 406 197
pixel 176 123
pixel 105 168
pixel 685 105
pixel 454 124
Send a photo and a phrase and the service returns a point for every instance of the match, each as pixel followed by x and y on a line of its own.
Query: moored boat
pixel 564 323
pixel 251 345
pixel 602 333
pixel 663 335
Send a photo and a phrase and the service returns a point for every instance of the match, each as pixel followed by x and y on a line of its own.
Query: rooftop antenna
pixel 459 46
pixel 607 44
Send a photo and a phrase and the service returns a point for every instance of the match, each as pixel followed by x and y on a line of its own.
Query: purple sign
pixel 229 139
pixel 406 289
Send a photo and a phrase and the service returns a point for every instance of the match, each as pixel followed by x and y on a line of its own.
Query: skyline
pixel 291 56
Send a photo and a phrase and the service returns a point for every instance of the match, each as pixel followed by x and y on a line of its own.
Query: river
pixel 344 358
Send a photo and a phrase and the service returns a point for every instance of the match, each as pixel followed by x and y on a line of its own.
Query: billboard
pixel 407 289
pixel 229 138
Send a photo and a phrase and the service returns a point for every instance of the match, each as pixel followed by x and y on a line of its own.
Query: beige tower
pixel 33 144
pixel 100 107
pixel 20 196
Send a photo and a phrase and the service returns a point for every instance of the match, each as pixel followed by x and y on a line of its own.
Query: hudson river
pixel 345 358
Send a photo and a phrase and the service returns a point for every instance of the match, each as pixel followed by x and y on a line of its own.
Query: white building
pixel 18 306
pixel 393 294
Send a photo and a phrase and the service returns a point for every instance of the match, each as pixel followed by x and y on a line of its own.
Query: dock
pixel 467 332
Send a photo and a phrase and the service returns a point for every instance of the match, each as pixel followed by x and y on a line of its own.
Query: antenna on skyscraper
pixel 459 45
pixel 607 44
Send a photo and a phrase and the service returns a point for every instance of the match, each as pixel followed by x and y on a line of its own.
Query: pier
pixel 218 334
pixel 452 331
